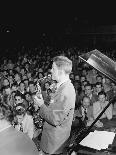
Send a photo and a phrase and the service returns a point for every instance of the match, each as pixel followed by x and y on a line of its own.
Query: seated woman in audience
pixel 100 105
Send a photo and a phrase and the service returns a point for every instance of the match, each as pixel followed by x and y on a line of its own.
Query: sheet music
pixel 98 139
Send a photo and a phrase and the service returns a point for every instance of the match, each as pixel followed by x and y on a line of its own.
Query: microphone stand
pixel 80 136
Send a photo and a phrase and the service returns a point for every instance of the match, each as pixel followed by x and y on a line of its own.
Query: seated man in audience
pixel 87 112
pixel 24 121
pixel 98 87
pixel 19 98
pixel 90 94
pixel 100 105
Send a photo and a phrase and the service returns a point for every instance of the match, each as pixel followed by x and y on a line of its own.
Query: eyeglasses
pixel 17 99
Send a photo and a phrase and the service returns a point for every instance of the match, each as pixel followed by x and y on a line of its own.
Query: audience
pixel 19 79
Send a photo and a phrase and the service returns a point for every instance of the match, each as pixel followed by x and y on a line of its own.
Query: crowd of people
pixel 29 73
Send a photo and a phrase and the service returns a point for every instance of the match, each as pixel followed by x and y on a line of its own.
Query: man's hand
pixel 38 100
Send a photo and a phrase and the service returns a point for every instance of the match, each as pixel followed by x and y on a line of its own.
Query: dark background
pixel 56 22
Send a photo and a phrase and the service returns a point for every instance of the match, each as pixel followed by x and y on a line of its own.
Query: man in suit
pixel 24 121
pixel 13 142
pixel 59 114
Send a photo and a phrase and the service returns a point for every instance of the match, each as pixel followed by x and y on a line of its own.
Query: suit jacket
pixel 58 118
pixel 13 142
pixel 89 112
pixel 28 125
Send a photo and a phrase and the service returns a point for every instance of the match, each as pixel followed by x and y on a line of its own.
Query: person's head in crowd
pixel 20 113
pixel 77 85
pixel 83 84
pixel 6 116
pixel 17 77
pixel 28 96
pixel 88 89
pixel 22 86
pixel 99 87
pixel 107 81
pixel 82 78
pixel 27 66
pixel 7 90
pixel 6 82
pixel 107 85
pixel 85 102
pixel 10 78
pixel 72 76
pixel 77 77
pixel 22 71
pixel 13 93
pixel 102 97
pixel 32 88
pixel 99 78
pixel 46 85
pixel 19 98
pixel 26 81
pixel 113 85
pixel 49 76
pixel 5 72
pixel 17 68
pixel 84 72
pixel 61 68
pixel 24 77
pixel 11 72
pixel 14 86
pixel 94 72
pixel 28 75
pixel 40 75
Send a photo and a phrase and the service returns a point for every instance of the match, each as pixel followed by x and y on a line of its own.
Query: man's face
pixel 55 72
pixel 98 88
pixel 77 77
pixel 83 79
pixel 86 102
pixel 14 88
pixel 20 118
pixel 22 71
pixel 88 90
pixel 18 99
pixel 5 82
pixel 99 79
pixel 47 85
pixel 8 91
pixel 31 88
pixel 17 77
pixel 26 82
pixel 28 97
pixel 22 86
pixel 102 98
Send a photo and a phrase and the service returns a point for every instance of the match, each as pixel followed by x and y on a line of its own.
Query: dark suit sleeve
pixel 59 112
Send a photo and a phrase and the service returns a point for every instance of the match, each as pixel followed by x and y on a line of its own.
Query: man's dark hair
pixel 102 93
pixel 98 83
pixel 31 82
pixel 18 93
pixel 14 84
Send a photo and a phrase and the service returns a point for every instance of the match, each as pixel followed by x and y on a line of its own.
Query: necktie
pixel 85 112
pixel 21 127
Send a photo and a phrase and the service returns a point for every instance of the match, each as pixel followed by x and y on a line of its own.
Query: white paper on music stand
pixel 98 139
